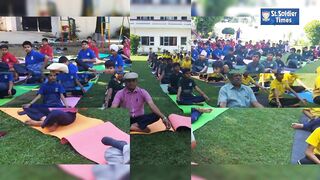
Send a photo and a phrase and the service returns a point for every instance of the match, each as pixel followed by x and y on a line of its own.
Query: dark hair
pixel 27 43
pixel 109 64
pixel 89 37
pixel 4 46
pixel 45 39
pixel 84 41
pixel 257 54
pixel 175 65
pixel 279 54
pixel 184 71
pixel 270 53
pixel 63 59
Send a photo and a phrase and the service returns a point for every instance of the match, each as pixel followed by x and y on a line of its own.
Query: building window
pixel 145 18
pixel 184 18
pixel 183 41
pixel 177 2
pixel 168 41
pixel 168 18
pixel 147 41
pixel 141 1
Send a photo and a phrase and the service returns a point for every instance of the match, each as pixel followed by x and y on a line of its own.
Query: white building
pixel 85 26
pixel 162 32
pixel 160 7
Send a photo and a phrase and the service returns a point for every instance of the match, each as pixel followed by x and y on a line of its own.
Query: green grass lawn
pixel 24 145
pixel 247 136
pixel 231 172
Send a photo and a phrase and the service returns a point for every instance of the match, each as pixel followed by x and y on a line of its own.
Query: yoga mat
pixel 307 95
pixel 262 98
pixel 80 124
pixel 194 177
pixel 299 142
pixel 88 142
pixel 73 101
pixel 206 117
pixel 87 88
pixel 21 78
pixel 164 88
pixel 99 67
pixel 217 84
pixel 79 171
pixel 156 127
pixel 186 109
pixel 176 121
pixel 103 55
pixel 20 91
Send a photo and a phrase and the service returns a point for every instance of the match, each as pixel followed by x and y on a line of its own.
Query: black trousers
pixel 284 102
pixel 144 120
pixel 306 160
pixel 298 89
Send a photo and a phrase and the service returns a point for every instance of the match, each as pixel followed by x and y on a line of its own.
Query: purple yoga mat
pixel 73 101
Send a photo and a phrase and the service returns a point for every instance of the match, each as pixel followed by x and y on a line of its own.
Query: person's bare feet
pixel 297 125
pixel 32 123
pixel 204 110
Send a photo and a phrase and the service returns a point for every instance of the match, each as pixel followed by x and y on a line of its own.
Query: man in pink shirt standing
pixel 133 98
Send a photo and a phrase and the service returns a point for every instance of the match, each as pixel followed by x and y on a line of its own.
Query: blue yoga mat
pixel 299 142
pixel 307 95
pixel 90 84
pixel 101 55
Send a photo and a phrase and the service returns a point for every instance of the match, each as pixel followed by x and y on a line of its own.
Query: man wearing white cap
pixel 133 98
pixel 201 65
pixel 116 58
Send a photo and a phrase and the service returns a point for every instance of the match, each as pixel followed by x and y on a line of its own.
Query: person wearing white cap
pixel 200 66
pixel 133 98
pixel 86 57
pixel 116 58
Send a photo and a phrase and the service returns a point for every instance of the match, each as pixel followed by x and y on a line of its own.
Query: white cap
pixel 130 75
pixel 58 67
pixel 114 47
pixel 204 53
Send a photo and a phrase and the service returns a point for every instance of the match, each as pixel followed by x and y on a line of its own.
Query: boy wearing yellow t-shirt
pixel 313 150
pixel 186 63
pixel 316 90
pixel 216 76
pixel 291 78
pixel 265 79
pixel 248 80
pixel 278 87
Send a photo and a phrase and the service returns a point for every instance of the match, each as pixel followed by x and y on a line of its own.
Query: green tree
pixel 216 7
pixel 134 43
pixel 204 25
pixel 312 29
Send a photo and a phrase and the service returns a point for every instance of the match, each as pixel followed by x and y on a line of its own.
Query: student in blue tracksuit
pixel 6 85
pixel 86 58
pixel 35 63
pixel 116 58
pixel 52 94
pixel 70 80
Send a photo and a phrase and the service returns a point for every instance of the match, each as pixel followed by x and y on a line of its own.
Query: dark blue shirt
pixel 51 94
pixel 6 77
pixel 117 60
pixel 34 57
pixel 86 54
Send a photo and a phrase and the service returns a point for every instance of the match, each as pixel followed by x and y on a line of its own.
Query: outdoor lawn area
pixel 248 137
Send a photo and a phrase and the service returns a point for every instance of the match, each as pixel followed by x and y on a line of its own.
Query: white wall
pixel 157 33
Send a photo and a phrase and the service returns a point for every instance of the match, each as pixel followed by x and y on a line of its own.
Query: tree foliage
pixel 312 29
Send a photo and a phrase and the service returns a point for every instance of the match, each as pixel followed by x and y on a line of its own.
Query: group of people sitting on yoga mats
pixel 238 89
pixel 235 53
pixel 312 153
pixel 32 69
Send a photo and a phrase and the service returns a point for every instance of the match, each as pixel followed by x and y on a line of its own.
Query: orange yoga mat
pixel 176 121
pixel 80 124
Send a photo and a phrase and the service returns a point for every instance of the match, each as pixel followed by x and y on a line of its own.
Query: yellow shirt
pixel 314 111
pixel 216 75
pixel 314 140
pixel 318 71
pixel 247 81
pixel 186 64
pixel 280 86
pixel 290 78
pixel 316 90
pixel 265 77
pixel 176 60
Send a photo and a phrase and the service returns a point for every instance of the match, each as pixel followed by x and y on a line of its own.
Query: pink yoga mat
pixel 73 101
pixel 88 142
pixel 83 172
pixel 179 121
pixel 193 177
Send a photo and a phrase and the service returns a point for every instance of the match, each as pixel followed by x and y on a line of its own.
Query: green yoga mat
pixel 206 117
pixel 99 67
pixel 20 91
pixel 101 55
pixel 186 109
